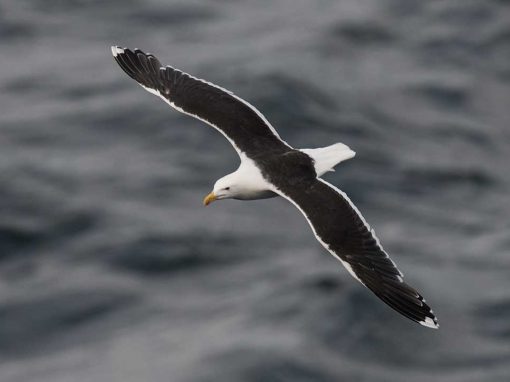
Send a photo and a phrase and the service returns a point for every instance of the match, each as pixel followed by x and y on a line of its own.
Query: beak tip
pixel 209 199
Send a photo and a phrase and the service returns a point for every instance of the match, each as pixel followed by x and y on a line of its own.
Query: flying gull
pixel 271 167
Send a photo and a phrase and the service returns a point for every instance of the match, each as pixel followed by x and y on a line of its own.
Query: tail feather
pixel 326 158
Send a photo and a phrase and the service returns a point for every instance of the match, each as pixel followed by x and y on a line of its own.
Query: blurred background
pixel 111 269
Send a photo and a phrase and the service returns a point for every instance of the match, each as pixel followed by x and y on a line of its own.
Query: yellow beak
pixel 209 199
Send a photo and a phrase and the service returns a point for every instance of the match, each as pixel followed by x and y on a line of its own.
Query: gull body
pixel 248 183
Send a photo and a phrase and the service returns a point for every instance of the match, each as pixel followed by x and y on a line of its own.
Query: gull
pixel 270 167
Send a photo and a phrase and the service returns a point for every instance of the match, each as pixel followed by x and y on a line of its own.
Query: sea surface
pixel 112 270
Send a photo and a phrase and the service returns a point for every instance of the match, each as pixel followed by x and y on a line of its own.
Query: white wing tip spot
pixel 429 323
pixel 116 51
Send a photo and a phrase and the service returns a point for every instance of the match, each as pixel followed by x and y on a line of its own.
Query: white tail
pixel 326 158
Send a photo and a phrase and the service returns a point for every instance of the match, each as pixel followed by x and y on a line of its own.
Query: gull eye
pixel 227 188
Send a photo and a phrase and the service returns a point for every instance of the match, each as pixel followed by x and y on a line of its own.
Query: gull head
pixel 224 188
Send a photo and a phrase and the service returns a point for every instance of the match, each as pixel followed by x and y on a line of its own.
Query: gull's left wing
pixel 342 230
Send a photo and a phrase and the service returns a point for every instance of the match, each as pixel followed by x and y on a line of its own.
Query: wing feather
pixel 342 230
pixel 241 123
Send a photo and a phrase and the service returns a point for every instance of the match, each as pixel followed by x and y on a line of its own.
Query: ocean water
pixel 111 269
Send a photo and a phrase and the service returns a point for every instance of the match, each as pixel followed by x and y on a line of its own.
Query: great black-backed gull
pixel 271 167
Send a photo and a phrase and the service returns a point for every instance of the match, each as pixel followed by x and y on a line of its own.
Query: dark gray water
pixel 111 269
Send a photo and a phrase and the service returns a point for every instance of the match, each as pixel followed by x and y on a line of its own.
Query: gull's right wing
pixel 241 123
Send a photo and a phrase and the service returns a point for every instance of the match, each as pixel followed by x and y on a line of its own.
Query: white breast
pixel 252 184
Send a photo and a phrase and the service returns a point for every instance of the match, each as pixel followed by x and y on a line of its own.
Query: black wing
pixel 243 125
pixel 343 231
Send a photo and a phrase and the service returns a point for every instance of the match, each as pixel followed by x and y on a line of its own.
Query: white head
pixel 227 187
pixel 246 183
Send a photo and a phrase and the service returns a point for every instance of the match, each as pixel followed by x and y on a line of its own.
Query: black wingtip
pixel 140 66
pixel 410 305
